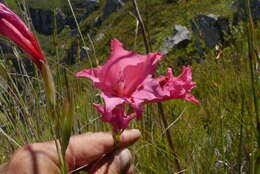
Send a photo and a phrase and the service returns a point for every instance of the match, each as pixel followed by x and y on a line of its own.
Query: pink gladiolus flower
pixel 15 29
pixel 119 78
pixel 167 87
pixel 126 78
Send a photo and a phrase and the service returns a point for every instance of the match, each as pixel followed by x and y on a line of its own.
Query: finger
pixel 83 149
pixel 130 170
pixel 3 167
pixel 86 148
pixel 31 159
pixel 116 163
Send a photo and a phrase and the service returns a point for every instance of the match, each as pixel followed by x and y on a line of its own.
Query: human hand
pixel 89 148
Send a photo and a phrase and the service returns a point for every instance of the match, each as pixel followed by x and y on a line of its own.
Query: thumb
pixel 116 163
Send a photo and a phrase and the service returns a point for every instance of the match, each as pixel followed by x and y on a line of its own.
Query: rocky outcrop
pixel 84 53
pixel 44 22
pixel 90 6
pixel 112 6
pixel 181 37
pixel 210 29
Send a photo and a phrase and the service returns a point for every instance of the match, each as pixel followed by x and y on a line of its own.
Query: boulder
pixel 112 6
pixel 210 29
pixel 84 52
pixel 43 20
pixel 181 37
pixel 90 6
pixel 205 27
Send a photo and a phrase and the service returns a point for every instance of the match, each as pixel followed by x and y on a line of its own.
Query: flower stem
pixel 62 128
pixel 161 110
pixel 252 51
pixel 169 136
pixel 143 29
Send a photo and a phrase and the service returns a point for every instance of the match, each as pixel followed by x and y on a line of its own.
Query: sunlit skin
pixel 96 149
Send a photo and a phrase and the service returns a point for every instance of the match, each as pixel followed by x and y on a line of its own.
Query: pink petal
pixel 191 98
pixel 124 70
pixel 90 73
pixel 136 105
pixel 111 102
pixel 117 118
pixel 167 87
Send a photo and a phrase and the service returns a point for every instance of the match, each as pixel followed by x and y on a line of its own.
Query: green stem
pixel 254 79
pixel 161 110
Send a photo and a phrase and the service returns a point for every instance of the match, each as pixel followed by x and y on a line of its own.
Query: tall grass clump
pixel 254 73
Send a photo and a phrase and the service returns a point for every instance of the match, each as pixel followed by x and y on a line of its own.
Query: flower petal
pixel 167 87
pixel 124 70
pixel 117 118
pixel 90 73
pixel 111 102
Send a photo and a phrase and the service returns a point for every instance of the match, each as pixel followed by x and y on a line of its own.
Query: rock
pixel 181 37
pixel 98 21
pixel 82 10
pixel 43 20
pixel 205 28
pixel 100 37
pixel 224 25
pixel 5 47
pixel 239 10
pixel 112 6
pixel 84 53
pixel 90 6
pixel 210 29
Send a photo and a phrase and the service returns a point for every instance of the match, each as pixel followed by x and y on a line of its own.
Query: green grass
pixel 216 136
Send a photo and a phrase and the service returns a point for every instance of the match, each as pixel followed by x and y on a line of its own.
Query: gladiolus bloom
pixel 167 87
pixel 12 27
pixel 126 78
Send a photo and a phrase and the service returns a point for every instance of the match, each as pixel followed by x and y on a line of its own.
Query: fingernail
pixel 124 158
pixel 132 132
pixel 136 132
